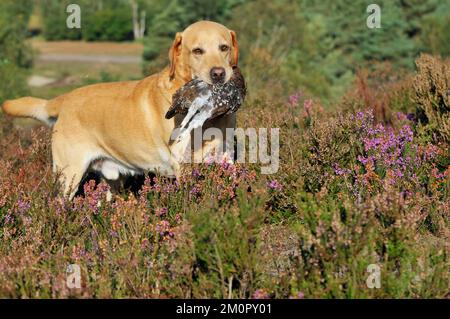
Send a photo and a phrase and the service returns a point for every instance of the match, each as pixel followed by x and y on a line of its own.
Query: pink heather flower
pixel 435 173
pixel 406 133
pixel 365 160
pixel 209 160
pixel 58 203
pixel 170 188
pixel 430 152
pixel 275 185
pixel 23 206
pixel 95 194
pixel 196 173
pixel 294 99
pixel 8 218
pixel 156 186
pixel 398 173
pixel 261 294
pixel 145 244
pixel 307 105
pixel 114 234
pixel 163 228
pixel 401 116
pixel 194 191
pixel 340 171
pixel 161 211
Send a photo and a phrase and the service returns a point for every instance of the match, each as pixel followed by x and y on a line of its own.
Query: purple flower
pixel 411 117
pixel 430 152
pixel 161 211
pixel 23 206
pixel 163 229
pixel 406 133
pixel 194 191
pixel 114 234
pixel 196 173
pixel 95 194
pixel 170 188
pixel 398 173
pixel 340 171
pixel 275 185
pixel 363 159
pixel 8 218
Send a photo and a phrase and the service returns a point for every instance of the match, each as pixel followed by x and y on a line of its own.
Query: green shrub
pixel 102 21
pixel 109 25
pixel 15 55
pixel 54 18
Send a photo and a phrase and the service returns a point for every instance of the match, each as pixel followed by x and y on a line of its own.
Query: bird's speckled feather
pixel 201 101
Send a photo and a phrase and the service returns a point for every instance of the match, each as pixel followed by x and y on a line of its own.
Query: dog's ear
pixel 174 53
pixel 235 45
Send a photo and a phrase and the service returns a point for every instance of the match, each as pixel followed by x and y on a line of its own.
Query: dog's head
pixel 205 50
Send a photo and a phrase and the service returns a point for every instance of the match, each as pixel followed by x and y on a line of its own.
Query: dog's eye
pixel 224 48
pixel 197 51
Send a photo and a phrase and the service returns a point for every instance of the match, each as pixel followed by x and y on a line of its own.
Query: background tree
pixel 139 20
pixel 54 18
pixel 15 55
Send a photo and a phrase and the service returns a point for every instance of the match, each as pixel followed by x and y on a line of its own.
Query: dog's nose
pixel 217 75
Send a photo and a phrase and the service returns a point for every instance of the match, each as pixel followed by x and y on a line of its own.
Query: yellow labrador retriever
pixel 119 128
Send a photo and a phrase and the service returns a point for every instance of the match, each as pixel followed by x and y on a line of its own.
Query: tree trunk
pixel 135 8
pixel 142 26
pixel 138 24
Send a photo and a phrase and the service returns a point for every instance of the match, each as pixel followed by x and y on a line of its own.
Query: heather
pixel 363 182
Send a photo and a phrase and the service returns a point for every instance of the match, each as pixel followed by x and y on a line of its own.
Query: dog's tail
pixel 32 107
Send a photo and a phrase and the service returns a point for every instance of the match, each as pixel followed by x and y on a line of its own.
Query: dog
pixel 120 128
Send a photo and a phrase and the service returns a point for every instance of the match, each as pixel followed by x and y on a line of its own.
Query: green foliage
pixel 15 55
pixel 109 25
pixel 225 247
pixel 434 31
pixel 12 81
pixel 54 18
pixel 318 47
pixel 100 21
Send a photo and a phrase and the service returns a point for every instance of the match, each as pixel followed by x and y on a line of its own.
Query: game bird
pixel 201 101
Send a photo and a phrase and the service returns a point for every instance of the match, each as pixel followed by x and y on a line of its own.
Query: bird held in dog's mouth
pixel 201 101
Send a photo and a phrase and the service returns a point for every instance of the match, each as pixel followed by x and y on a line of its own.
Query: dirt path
pixel 91 52
pixel 100 58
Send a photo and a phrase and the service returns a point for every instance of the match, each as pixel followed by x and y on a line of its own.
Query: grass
pixel 69 76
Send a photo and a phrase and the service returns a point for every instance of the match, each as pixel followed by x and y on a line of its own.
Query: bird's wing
pixel 184 97
pixel 199 112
